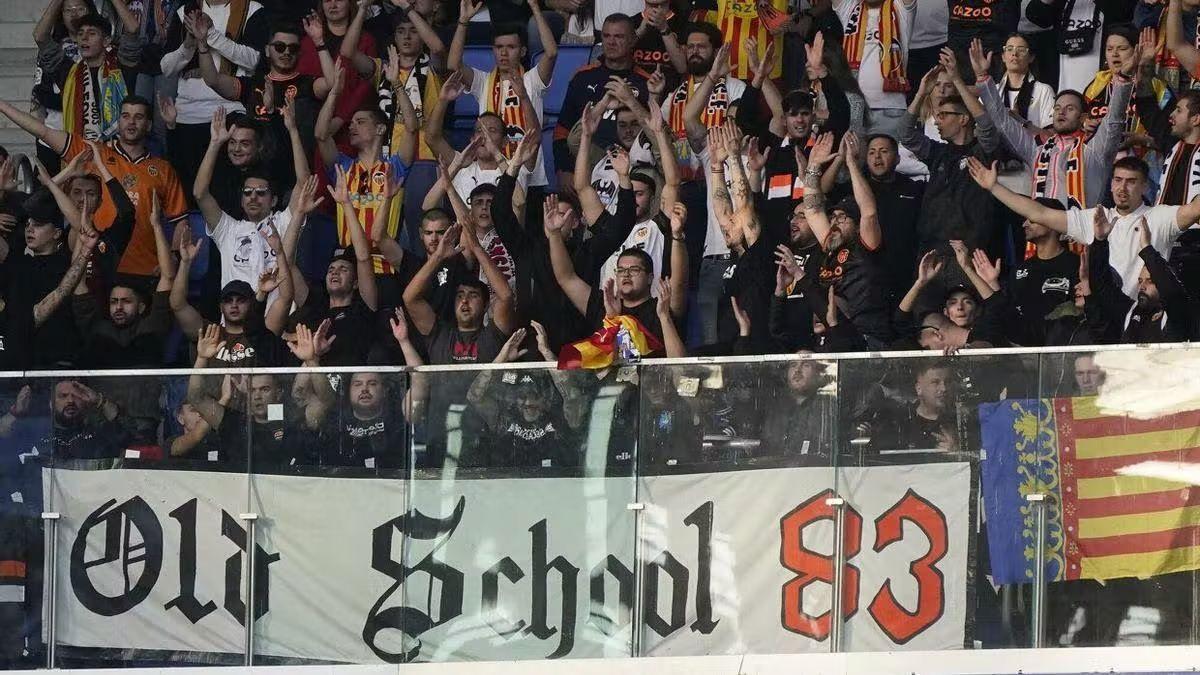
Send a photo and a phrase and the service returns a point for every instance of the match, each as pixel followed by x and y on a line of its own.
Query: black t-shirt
pixel 353 325
pixel 988 20
pixel 650 51
pixel 861 285
pixel 305 105
pixel 16 335
pixel 375 443
pixel 751 279
pixel 271 444
pixel 646 313
pixel 30 278
pixel 899 205
pixel 1039 286
pixel 448 344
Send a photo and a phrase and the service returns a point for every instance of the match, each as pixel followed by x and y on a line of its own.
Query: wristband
pixel 679 238
pixel 321 47
pixel 203 51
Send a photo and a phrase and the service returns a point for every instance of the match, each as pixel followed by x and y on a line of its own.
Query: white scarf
pixel 1189 164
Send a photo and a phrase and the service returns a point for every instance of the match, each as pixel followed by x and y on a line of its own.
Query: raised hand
pixel 1147 47
pixel 167 111
pixel 654 119
pixel 928 81
pixel 323 338
pixel 268 281
pixel 961 254
pixel 663 308
pixel 467 10
pixel 679 214
pixel 552 220
pixel 980 62
pixel 208 342
pixel 392 70
pixel 287 111
pixel 619 88
pixel 543 342
pixel 1101 225
pixel 340 192
pixel 716 147
pixel 612 304
pixel 528 148
pixel 822 152
pixel 985 176
pixel 399 326
pixel 815 56
pixel 314 28
pixel 511 351
pixel 986 269
pixel 1143 230
pixel 309 200
pixel 302 344
pixel 448 246
pixel 850 147
pixel 218 131
pixel 189 246
pixel 928 268
pixel 619 157
pixel 949 63
pixel 755 157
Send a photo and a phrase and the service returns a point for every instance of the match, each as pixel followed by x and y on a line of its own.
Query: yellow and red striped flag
pixel 622 338
pixel 1101 524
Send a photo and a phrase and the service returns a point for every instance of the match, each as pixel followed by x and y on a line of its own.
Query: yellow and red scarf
pixel 507 105
pixel 891 58
pixel 82 112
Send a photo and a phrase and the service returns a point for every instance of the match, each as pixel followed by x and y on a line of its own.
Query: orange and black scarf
pixel 507 105
pixel 713 115
pixel 891 58
pixel 1042 170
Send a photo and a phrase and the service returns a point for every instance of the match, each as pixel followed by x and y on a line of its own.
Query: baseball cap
pixel 237 287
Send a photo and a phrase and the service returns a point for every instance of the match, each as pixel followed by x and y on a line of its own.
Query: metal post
pixel 50 570
pixel 1038 502
pixel 639 575
pixel 839 568
pixel 251 519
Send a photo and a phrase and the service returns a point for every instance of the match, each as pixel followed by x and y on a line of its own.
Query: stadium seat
pixel 570 59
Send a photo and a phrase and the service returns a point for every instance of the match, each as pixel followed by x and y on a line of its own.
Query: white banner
pixel 371 570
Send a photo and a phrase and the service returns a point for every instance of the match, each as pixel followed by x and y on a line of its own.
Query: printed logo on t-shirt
pixel 464 351
pixel 234 352
pixel 1056 285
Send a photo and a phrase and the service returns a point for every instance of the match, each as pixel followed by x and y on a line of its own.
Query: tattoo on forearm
pixel 814 199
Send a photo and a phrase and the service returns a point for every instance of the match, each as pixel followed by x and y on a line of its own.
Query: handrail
pixel 538 365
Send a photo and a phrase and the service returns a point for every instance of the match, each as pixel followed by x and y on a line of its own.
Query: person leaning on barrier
pixel 523 413
pixel 272 437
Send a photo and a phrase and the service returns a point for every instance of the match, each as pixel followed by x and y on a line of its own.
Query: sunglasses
pixel 259 191
pixel 289 47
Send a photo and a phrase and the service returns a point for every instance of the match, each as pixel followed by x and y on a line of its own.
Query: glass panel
pixel 520 540
pixel 143 466
pixel 913 430
pixel 21 531
pixel 736 538
pixel 330 497
pixel 1127 425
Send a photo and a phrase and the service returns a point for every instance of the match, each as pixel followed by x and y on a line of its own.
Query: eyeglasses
pixel 259 191
pixel 630 271
pixel 946 113
pixel 1019 51
pixel 289 47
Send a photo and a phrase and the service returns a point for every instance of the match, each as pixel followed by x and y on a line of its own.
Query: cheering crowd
pixel 249 184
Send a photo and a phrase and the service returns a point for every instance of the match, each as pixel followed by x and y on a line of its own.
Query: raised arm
pixel 324 129
pixel 656 127
pixel 679 261
pixel 245 56
pixel 363 64
pixel 1022 140
pixel 188 318
pixel 162 247
pixel 672 342
pixel 225 85
pixel 358 239
pixel 435 137
pixel 765 85
pixel 44 28
pixel 698 100
pixel 54 299
pixel 433 42
pixel 419 310
pixel 545 66
pixel 406 148
pixel 279 278
pixel 454 61
pixel 1111 132
pixel 503 309
pixel 218 135
pixel 814 199
pixel 589 201
pixel 1023 206
pixel 55 139
pixel 208 342
pixel 1177 42
pixel 869 231
pixel 576 289
pixel 314 28
pixel 912 136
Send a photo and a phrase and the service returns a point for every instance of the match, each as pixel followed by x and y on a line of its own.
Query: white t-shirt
pixel 648 237
pixel 714 239
pixel 603 8
pixel 536 90
pixel 245 253
pixel 1075 72
pixel 604 177
pixel 195 100
pixel 473 175
pixel 870 73
pixel 1123 243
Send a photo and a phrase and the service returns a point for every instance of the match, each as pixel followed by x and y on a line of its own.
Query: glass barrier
pixel 520 537
pixel 664 509
pixel 734 470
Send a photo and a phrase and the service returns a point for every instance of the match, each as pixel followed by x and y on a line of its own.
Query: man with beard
pixel 130 336
pixel 1067 166
pixel 524 419
pixel 849 235
pixel 800 425
pixel 371 429
pixel 641 143
pixel 791 314
pixel 1163 310
pixel 86 423
pixel 1042 285
pixel 953 207
pixel 266 439
pixel 266 96
pixel 1130 180
pixel 702 100
pixel 929 422
pixel 129 161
